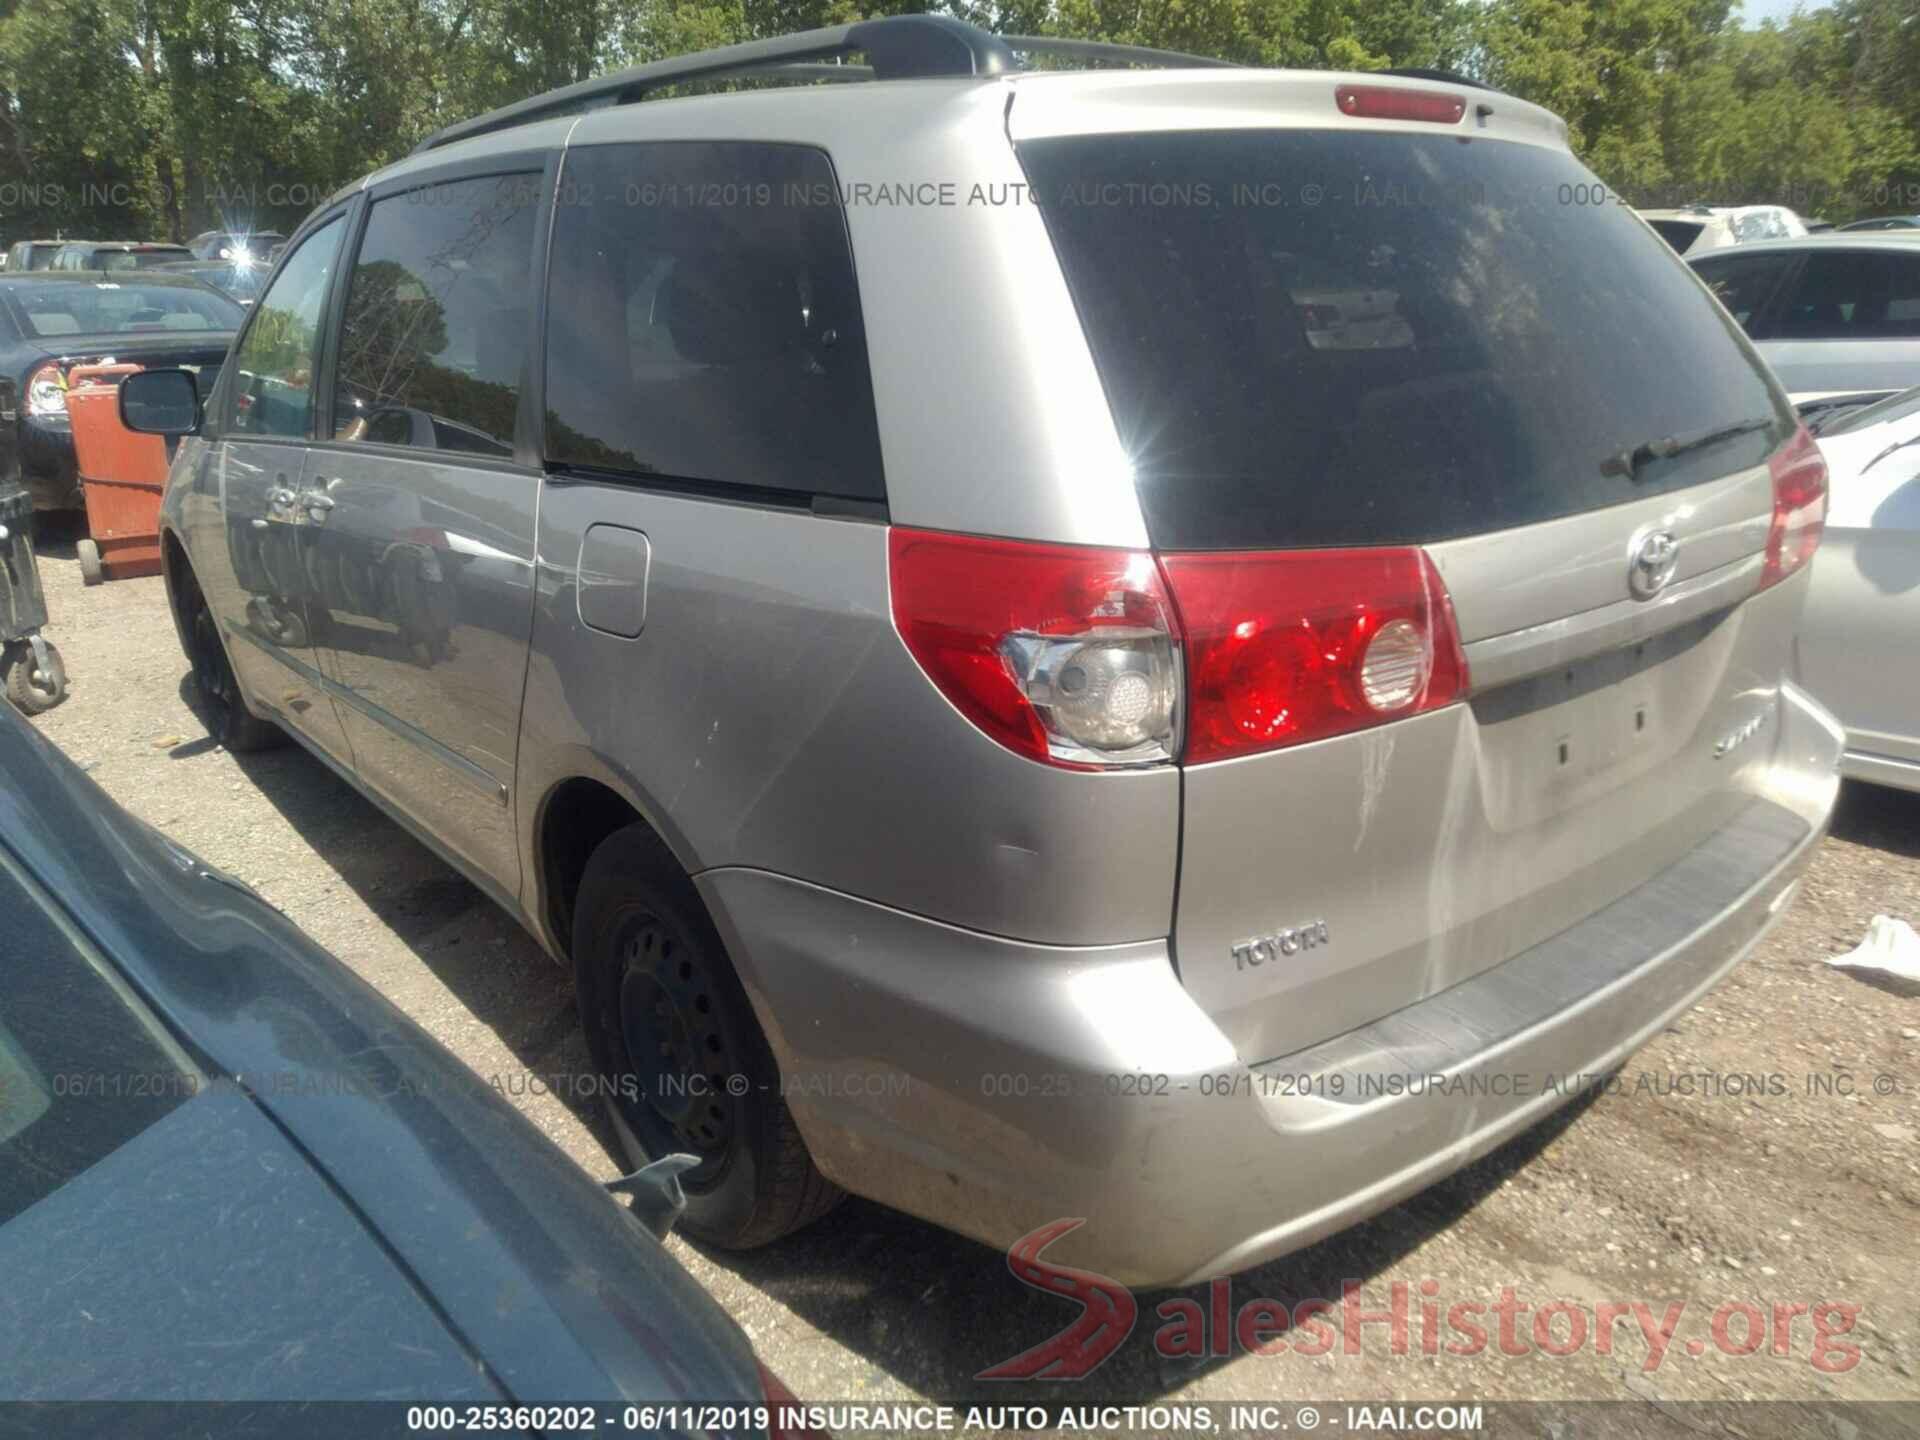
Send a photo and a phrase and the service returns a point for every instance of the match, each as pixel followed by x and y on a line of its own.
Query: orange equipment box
pixel 122 476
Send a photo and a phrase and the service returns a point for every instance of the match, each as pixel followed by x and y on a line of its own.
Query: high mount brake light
pixel 1077 657
pixel 1391 102
pixel 1799 473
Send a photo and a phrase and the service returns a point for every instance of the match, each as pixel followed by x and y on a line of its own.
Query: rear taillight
pixel 1076 657
pixel 1066 655
pixel 47 391
pixel 1799 506
pixel 1291 647
pixel 1390 102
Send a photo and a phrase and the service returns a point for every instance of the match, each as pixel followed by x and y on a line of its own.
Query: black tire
pixel 34 690
pixel 89 553
pixel 653 976
pixel 221 709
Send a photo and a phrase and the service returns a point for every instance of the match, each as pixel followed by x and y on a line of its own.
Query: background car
pixel 117 255
pixel 1860 631
pixel 32 254
pixel 52 320
pixel 1695 228
pixel 1830 313
pixel 230 1170
pixel 235 244
pixel 1885 222
pixel 233 278
pixel 1829 410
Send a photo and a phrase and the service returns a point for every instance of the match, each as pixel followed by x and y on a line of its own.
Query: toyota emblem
pixel 1655 558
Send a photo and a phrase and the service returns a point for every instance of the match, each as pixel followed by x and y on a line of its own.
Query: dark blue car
pixel 229 1170
pixel 53 320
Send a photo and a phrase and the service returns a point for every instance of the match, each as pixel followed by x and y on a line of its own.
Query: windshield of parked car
pixel 83 1066
pixel 118 307
pixel 1893 407
pixel 1326 338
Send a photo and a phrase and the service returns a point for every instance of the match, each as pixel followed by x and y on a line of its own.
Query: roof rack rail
pixel 1103 50
pixel 899 47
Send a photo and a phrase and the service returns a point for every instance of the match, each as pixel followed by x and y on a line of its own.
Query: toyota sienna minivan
pixel 1177 646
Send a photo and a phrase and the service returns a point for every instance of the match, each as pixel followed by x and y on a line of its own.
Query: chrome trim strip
pixel 1520 653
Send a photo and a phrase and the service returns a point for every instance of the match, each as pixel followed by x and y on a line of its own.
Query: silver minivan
pixel 1181 647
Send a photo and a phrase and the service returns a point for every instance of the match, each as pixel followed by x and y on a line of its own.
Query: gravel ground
pixel 1643 1193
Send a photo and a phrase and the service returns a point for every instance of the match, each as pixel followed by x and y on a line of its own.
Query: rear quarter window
pixel 1316 338
pixel 703 321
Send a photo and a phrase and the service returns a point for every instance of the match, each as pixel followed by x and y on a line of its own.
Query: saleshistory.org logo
pixel 1108 1311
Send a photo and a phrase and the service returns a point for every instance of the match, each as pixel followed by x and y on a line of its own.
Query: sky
pixel 1752 12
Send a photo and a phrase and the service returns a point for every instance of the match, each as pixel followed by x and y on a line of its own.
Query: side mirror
pixel 160 402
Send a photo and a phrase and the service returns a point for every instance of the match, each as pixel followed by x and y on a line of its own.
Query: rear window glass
pixel 110 307
pixel 1327 338
pixel 703 322
pixel 139 259
pixel 1677 233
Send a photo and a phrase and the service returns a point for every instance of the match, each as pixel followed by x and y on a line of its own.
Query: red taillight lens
pixel 1291 647
pixel 1390 102
pixel 1063 654
pixel 1799 506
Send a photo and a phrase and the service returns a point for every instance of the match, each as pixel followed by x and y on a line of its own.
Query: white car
pixel 1832 314
pixel 1861 628
pixel 1708 227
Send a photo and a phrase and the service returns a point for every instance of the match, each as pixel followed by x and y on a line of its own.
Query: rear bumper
pixel 47 465
pixel 992 1086
pixel 1880 770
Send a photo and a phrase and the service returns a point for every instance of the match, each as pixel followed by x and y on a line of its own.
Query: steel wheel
pixel 688 1069
pixel 675 1048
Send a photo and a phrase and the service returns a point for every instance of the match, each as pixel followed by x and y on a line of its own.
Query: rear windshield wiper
pixel 1897 445
pixel 1626 463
